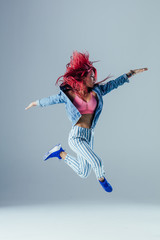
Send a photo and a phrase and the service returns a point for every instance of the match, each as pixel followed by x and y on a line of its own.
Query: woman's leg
pixel 81 141
pixel 86 170
pixel 91 145
pixel 79 164
pixel 83 149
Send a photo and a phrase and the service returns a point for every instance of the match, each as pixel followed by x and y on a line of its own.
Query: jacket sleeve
pixel 55 99
pixel 109 86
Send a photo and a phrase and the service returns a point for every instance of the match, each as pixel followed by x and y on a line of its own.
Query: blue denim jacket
pixel 72 112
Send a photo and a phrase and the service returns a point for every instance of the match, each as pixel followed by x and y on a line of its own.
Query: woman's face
pixel 89 80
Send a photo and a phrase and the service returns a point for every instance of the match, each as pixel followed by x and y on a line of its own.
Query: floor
pixel 80 221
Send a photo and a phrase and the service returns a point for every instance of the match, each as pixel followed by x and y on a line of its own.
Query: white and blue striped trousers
pixel 80 141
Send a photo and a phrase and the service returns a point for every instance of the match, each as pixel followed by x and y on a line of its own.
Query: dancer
pixel 83 98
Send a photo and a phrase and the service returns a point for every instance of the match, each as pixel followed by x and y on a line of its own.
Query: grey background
pixel 37 39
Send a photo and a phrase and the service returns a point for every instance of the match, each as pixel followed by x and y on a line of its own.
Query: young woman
pixel 83 98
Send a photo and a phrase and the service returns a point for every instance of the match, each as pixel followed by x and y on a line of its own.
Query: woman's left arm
pixel 109 86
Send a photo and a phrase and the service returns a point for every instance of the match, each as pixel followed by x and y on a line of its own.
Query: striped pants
pixel 80 141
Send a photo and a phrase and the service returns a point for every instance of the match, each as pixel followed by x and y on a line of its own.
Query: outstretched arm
pixel 55 99
pixel 109 86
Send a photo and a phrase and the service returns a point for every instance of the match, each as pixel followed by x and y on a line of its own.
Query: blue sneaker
pixel 54 152
pixel 106 186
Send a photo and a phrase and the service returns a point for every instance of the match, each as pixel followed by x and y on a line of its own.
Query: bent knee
pixel 85 174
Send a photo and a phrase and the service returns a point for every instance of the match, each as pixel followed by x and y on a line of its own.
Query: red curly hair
pixel 78 67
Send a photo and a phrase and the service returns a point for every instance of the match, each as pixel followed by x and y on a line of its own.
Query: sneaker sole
pixel 54 149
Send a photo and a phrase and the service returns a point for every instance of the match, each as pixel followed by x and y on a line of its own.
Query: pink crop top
pixel 85 107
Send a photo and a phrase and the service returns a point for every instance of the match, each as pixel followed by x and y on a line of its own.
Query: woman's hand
pixel 33 104
pixel 135 71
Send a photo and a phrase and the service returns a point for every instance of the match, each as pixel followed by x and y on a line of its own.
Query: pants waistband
pixel 86 129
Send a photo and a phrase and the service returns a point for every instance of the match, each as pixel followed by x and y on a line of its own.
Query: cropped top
pixel 85 107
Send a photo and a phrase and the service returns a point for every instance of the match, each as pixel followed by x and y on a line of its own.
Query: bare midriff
pixel 85 121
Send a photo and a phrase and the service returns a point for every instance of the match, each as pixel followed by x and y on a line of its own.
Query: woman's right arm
pixel 55 99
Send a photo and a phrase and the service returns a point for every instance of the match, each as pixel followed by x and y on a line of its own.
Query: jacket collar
pixel 65 87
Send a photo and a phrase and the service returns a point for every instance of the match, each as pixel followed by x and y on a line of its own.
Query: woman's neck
pixel 85 91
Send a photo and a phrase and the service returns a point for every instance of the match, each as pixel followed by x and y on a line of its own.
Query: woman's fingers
pixel 135 71
pixel 29 106
pixel 139 70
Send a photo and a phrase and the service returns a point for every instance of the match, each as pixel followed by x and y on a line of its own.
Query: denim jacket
pixel 72 112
